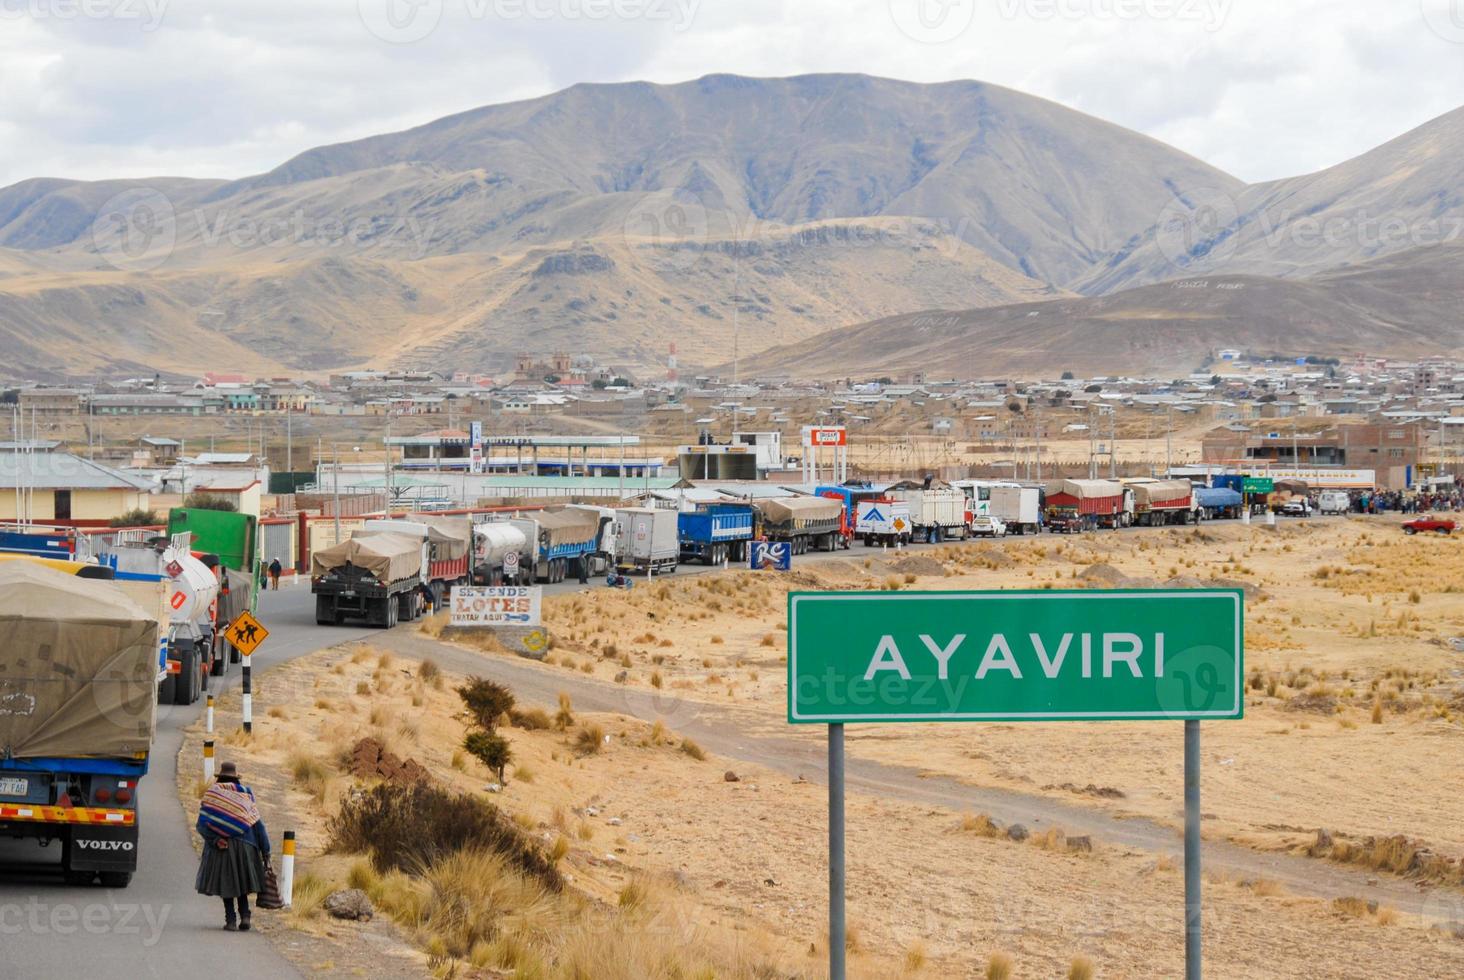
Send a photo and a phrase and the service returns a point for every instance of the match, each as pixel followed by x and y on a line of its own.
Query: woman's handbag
pixel 269 896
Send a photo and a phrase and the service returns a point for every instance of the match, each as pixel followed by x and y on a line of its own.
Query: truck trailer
pixel 78 672
pixel 806 523
pixel 447 541
pixel 1019 508
pixel 1160 502
pixel 938 510
pixel 557 541
pixel 372 576
pixel 715 532
pixel 882 522
pixel 1095 503
pixel 493 542
pixel 646 540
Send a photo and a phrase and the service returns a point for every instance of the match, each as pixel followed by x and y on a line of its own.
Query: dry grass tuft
pixel 692 749
pixel 590 739
pixel 1081 968
pixel 998 967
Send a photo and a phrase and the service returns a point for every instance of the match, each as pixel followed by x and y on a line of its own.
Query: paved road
pixel 159 928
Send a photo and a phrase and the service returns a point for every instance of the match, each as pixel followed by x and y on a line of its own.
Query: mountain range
pixel 761 213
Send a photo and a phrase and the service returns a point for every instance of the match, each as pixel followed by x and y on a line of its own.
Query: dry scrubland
pixel 1353 726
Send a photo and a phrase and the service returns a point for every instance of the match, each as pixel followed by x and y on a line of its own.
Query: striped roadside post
pixel 287 868
pixel 208 761
pixel 248 696
pixel 209 715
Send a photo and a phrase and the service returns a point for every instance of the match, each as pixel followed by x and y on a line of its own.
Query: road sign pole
pixel 1192 850
pixel 836 853
pixel 248 696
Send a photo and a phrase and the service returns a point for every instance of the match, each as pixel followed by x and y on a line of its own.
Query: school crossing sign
pixel 1040 655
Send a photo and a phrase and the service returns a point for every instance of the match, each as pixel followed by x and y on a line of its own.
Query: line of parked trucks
pixel 92 638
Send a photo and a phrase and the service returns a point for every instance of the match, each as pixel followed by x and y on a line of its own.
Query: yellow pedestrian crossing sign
pixel 246 633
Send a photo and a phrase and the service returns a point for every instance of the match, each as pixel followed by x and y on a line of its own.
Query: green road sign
pixel 1044 655
pixel 1257 484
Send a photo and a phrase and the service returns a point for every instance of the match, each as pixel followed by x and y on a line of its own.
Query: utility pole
pixel 289 440
pixel 336 480
pixel 1168 433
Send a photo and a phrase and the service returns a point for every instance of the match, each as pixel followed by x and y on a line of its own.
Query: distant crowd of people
pixel 1396 501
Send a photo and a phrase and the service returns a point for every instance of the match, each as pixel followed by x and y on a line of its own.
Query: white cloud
pixel 223 88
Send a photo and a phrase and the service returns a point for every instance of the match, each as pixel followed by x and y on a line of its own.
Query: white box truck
pixel 1018 508
pixel 647 540
pixel 937 510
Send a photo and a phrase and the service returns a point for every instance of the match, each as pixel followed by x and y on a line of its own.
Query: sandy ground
pixel 741 864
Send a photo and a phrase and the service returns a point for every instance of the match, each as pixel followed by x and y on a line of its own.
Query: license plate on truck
pixel 10 786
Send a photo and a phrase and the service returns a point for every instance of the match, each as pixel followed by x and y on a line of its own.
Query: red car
pixel 1428 522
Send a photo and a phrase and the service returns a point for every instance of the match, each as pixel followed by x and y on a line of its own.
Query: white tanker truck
pixel 493 541
pixel 195 649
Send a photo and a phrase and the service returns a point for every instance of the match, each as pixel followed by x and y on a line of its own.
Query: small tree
pixel 486 701
pixel 1067 376
pixel 491 749
pixel 209 501
pixel 137 517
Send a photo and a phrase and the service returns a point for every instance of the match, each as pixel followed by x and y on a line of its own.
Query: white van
pixel 1334 502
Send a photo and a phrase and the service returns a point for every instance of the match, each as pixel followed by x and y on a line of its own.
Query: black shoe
pixel 244 924
pixel 231 926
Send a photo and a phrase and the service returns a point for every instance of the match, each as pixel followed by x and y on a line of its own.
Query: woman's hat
pixel 228 770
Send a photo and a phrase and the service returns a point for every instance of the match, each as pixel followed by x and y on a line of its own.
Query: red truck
pixel 1429 522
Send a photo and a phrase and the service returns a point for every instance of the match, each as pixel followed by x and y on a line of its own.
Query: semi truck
pixel 446 543
pixel 806 523
pixel 78 670
pixel 937 510
pixel 882 522
pixel 646 540
pixel 1019 508
pixel 557 541
pixel 373 576
pixel 1094 503
pixel 1161 502
pixel 715 532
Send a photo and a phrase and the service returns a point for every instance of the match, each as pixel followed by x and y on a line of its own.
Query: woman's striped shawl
pixel 227 810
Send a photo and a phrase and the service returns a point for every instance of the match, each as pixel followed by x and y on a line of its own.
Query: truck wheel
pixel 116 879
pixel 184 681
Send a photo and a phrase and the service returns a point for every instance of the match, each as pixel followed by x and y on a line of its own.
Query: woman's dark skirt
pixel 237 870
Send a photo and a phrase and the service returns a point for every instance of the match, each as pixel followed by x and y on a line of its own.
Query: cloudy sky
pixel 225 88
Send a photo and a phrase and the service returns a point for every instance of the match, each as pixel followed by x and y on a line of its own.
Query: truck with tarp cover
pixel 807 523
pixel 1160 502
pixel 1093 503
pixel 78 709
pixel 557 540
pixel 448 540
pixel 372 576
pixel 714 532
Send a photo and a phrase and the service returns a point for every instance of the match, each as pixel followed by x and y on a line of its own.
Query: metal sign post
pixel 1046 655
pixel 1192 850
pixel 837 930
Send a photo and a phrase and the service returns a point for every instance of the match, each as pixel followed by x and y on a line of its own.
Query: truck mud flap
pixel 100 848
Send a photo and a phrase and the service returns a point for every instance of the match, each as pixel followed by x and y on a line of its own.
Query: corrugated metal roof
pixel 63 471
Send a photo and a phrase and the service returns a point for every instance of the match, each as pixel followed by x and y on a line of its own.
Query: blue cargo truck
pixel 78 666
pixel 714 532
pixel 557 541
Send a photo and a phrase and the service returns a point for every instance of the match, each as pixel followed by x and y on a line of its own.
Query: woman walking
pixel 235 847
